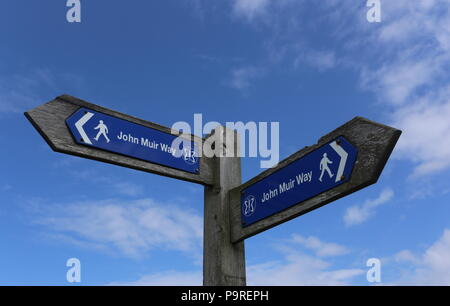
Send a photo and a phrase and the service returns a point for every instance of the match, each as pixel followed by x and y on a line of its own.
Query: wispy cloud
pixel 397 82
pixel 358 214
pixel 242 78
pixel 300 263
pixel 250 8
pixel 409 72
pixel 297 269
pixel 406 256
pixel 166 278
pixel 128 189
pixel 432 267
pixel 321 60
pixel 321 249
pixel 134 228
pixel 20 91
pixel 294 267
pixel 425 142
pixel 5 187
pixel 72 166
pixel 404 61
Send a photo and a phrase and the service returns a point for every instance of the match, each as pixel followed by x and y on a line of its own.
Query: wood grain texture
pixel 375 143
pixel 49 121
pixel 223 261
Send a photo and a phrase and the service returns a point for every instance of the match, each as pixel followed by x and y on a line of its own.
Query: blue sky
pixel 309 66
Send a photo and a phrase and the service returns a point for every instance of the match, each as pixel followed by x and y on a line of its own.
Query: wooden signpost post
pixel 342 162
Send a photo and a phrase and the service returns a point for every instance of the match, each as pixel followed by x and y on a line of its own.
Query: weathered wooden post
pixel 223 261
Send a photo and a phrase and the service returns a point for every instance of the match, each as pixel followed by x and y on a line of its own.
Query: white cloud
pixel 322 249
pixel 241 78
pixel 437 262
pixel 298 269
pixel 293 267
pixel 397 82
pixel 410 69
pixel 425 140
pixel 21 91
pixel 321 60
pixel 404 61
pixel 133 228
pixel 72 166
pixel 359 213
pixel 412 51
pixel 250 8
pixel 18 92
pixel 6 187
pixel 430 268
pixel 167 278
pixel 293 270
pixel 128 189
pixel 406 256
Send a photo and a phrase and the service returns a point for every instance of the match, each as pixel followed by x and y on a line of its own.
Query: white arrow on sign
pixel 343 154
pixel 79 125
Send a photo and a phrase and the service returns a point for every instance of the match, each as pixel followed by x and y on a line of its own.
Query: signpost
pixel 343 161
pixel 69 126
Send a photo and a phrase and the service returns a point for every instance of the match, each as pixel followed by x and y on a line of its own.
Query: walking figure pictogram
pixel 324 166
pixel 103 130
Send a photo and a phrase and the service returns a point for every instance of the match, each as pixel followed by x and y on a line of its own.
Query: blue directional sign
pixel 101 131
pixel 318 171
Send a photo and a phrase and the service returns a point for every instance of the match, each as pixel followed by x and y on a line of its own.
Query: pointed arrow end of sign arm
pixel 375 143
pixel 49 120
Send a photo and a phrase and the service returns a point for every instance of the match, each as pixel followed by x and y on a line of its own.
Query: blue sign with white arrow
pixel 101 131
pixel 318 171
